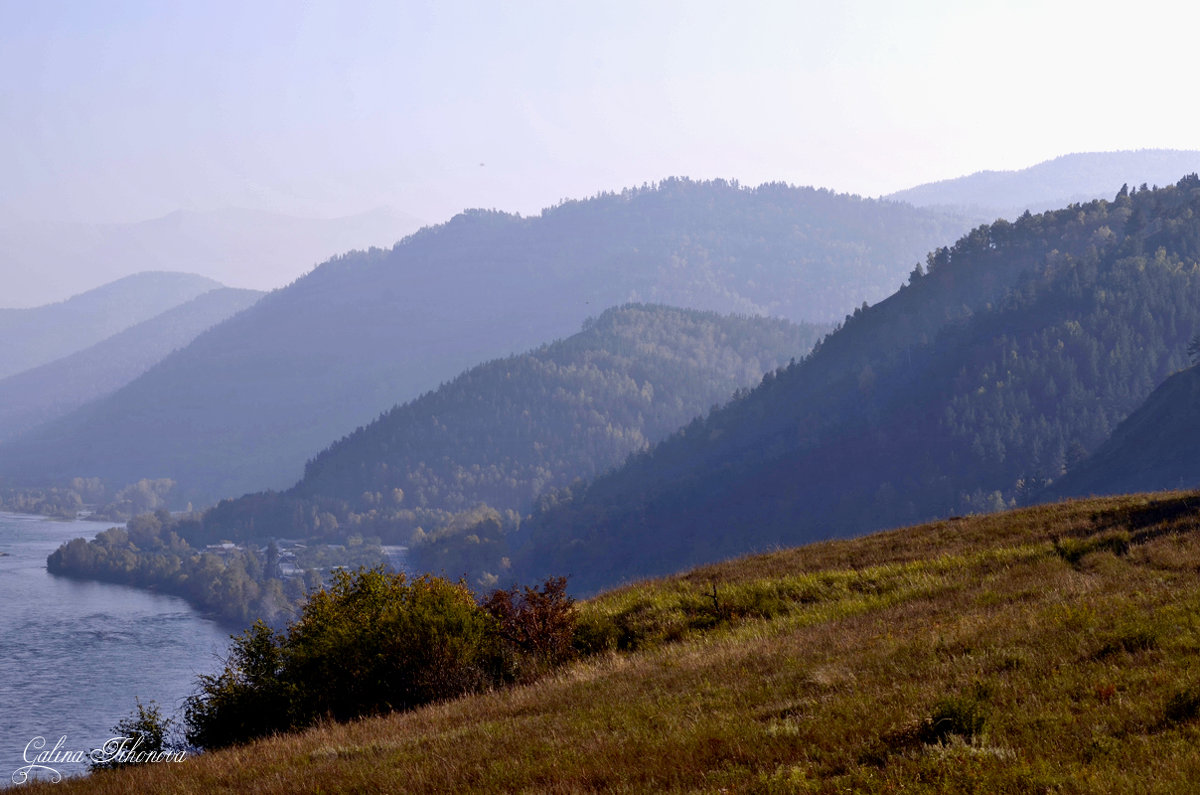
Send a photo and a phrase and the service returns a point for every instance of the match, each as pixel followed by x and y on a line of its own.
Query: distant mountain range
pixel 36 336
pixel 44 393
pixel 240 248
pixel 1009 355
pixel 1053 184
pixel 244 405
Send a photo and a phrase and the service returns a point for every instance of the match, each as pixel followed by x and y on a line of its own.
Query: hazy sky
pixel 114 111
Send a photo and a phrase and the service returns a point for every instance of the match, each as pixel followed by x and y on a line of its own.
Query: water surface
pixel 75 655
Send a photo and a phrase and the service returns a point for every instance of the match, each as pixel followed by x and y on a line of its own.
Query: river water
pixel 76 655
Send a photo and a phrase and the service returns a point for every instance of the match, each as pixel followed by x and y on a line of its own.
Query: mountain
pixel 503 432
pixel 965 391
pixel 1042 650
pixel 32 397
pixel 33 337
pixel 245 404
pixel 1055 183
pixel 1156 447
pixel 240 248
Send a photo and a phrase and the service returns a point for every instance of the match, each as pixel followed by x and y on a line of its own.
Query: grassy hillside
pixel 1050 649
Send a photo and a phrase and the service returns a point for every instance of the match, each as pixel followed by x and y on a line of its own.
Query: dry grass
pixel 1022 652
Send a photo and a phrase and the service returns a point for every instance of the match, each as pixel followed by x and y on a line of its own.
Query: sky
pixel 114 111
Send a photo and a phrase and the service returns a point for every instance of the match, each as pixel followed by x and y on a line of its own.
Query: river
pixel 76 655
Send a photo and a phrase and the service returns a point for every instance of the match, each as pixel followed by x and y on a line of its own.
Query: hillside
pixel 33 337
pixel 47 392
pixel 237 247
pixel 1043 650
pixel 1156 447
pixel 1055 183
pixel 966 391
pixel 243 406
pixel 504 432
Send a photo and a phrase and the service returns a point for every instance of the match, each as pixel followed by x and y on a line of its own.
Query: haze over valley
pixel 671 397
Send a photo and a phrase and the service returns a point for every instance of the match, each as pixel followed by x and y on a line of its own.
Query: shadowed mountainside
pixel 33 337
pixel 1156 447
pixel 970 389
pixel 243 406
pixel 492 440
pixel 39 395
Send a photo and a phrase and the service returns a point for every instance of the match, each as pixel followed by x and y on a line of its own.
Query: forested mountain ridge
pixel 1156 447
pixel 503 432
pixel 1018 350
pixel 1052 184
pixel 33 337
pixel 242 407
pixel 51 390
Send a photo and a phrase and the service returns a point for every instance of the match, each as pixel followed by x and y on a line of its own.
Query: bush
pixel 142 736
pixel 963 716
pixel 1073 550
pixel 1183 706
pixel 1131 640
pixel 374 642
pixel 248 699
pixel 536 627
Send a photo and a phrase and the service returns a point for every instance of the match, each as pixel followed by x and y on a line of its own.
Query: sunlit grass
pixel 1052 649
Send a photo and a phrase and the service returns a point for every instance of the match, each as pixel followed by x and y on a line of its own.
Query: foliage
pixel 1153 448
pixel 451 473
pixel 535 626
pixel 1014 349
pixel 148 733
pixel 56 502
pixel 73 497
pixel 246 699
pixel 233 583
pixel 1183 705
pixel 962 716
pixel 373 642
pixel 145 496
pixel 1073 550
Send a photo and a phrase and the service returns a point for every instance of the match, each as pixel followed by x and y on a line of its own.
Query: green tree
pixel 144 733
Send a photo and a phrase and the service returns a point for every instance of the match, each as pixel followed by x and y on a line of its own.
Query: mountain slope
pixel 1042 650
pixel 505 431
pixel 1156 447
pixel 47 392
pixel 962 392
pixel 240 248
pixel 1054 183
pixel 33 337
pixel 243 406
